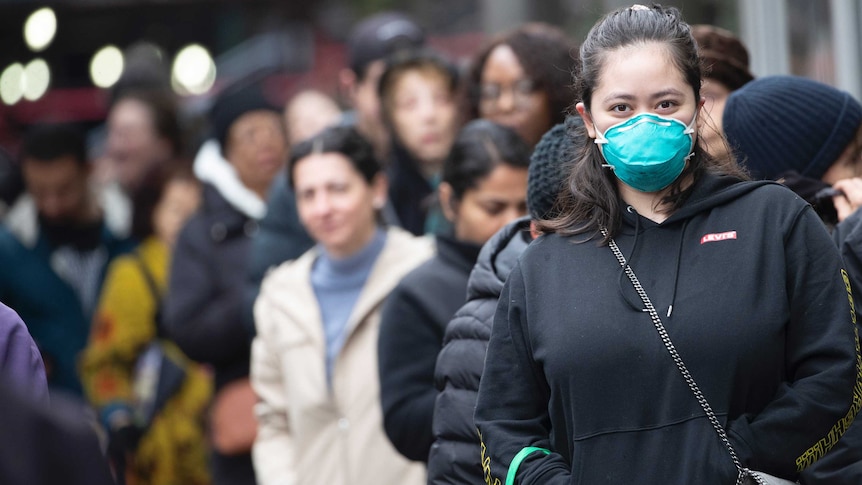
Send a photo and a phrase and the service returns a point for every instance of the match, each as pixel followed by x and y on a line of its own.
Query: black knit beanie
pixel 549 166
pixel 777 124
pixel 234 102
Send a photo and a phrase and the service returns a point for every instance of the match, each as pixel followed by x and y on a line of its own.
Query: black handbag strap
pixel 154 289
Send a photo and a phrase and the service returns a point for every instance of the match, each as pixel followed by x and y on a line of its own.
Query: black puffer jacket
pixel 455 453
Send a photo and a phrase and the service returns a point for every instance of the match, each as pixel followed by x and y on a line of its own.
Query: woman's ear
pixel 379 190
pixel 447 202
pixel 588 120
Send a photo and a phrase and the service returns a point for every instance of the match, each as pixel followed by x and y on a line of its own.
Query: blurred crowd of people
pixel 307 295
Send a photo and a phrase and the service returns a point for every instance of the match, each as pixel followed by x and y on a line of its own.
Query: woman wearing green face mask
pixel 672 325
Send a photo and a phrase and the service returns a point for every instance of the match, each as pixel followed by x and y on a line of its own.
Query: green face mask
pixel 647 152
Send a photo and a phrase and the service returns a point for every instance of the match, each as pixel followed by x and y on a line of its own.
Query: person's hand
pixel 850 197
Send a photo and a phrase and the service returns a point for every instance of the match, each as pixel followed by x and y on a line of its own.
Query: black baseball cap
pixel 378 36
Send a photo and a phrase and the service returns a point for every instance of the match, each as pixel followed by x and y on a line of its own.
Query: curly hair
pixel 545 53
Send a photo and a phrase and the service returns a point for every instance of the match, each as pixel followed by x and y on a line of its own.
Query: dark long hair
pixel 591 200
pixel 480 147
pixel 339 139
pixel 147 196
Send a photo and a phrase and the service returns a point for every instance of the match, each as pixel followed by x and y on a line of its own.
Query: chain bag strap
pixel 742 472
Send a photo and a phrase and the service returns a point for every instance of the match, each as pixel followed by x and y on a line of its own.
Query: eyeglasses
pixel 522 90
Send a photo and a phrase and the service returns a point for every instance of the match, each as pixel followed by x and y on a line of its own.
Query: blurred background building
pixel 60 59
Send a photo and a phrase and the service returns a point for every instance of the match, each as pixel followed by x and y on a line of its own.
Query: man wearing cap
pixel 202 309
pixel 368 45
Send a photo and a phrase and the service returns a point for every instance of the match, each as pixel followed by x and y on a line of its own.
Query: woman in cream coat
pixel 314 360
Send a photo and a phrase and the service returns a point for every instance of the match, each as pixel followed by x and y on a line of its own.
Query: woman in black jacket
pixel 484 187
pixel 203 305
pixel 454 455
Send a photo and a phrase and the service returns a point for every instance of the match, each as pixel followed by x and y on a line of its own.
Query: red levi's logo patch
pixel 720 236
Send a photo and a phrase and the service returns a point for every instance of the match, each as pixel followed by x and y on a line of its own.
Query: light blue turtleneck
pixel 337 284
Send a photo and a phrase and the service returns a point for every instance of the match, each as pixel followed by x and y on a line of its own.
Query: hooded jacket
pixel 203 311
pixel 203 304
pixel 454 456
pixel 34 285
pixel 843 464
pixel 752 293
pixel 412 323
pixel 21 363
pixel 412 197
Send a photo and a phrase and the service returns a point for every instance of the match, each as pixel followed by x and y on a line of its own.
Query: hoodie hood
pixel 708 192
pixel 497 258
pixel 212 168
pixel 711 191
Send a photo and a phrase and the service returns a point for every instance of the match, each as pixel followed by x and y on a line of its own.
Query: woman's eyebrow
pixel 667 92
pixel 618 96
pixel 623 96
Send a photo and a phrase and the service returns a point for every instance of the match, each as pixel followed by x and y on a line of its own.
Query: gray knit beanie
pixel 550 164
pixel 782 123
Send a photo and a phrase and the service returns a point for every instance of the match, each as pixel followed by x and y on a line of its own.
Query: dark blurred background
pixel 299 43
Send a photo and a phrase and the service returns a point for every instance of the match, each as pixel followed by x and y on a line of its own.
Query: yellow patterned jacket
pixel 173 449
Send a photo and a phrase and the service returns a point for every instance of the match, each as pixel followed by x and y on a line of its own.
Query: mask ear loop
pixel 601 140
pixel 689 130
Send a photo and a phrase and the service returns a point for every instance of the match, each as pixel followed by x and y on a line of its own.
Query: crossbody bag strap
pixel 742 472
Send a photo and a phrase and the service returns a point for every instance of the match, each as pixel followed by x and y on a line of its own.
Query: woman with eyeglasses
pixel 522 79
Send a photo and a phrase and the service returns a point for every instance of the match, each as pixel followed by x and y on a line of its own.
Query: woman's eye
pixel 619 108
pixel 408 103
pixel 441 98
pixel 493 209
pixel 666 104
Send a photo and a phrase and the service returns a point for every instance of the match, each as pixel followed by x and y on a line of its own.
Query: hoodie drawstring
pixel 638 305
pixel 676 269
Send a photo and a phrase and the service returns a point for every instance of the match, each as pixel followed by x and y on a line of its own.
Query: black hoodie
pixel 760 316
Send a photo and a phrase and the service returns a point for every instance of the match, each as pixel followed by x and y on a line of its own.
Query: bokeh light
pixel 193 71
pixel 106 67
pixel 40 28
pixel 12 84
pixel 37 78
